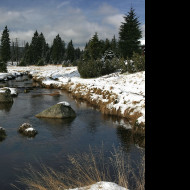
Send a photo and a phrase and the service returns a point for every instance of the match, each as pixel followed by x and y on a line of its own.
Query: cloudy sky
pixel 72 19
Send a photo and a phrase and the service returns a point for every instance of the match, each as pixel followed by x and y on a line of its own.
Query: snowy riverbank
pixel 115 94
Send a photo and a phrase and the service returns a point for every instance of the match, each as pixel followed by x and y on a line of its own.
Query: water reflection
pixel 2 138
pixel 130 137
pixel 118 121
pixel 6 106
pixel 57 127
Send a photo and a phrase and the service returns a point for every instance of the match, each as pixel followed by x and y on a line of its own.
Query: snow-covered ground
pixel 116 94
pixel 101 186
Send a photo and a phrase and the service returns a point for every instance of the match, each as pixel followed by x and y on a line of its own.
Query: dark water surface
pixel 57 138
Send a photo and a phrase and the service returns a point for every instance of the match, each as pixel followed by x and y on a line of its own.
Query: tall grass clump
pixel 86 169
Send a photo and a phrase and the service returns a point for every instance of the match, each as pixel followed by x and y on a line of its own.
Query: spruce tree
pixel 5 50
pixel 26 56
pixel 77 53
pixel 34 49
pixel 114 45
pixel 42 46
pixel 107 45
pixel 57 50
pixel 94 47
pixel 70 55
pixel 129 35
pixel 47 54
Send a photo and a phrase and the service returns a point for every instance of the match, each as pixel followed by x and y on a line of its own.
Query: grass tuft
pixel 87 169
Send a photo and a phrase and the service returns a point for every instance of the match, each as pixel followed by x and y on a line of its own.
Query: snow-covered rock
pixel 60 111
pixel 11 75
pixel 64 103
pixel 5 95
pixel 13 92
pixel 27 130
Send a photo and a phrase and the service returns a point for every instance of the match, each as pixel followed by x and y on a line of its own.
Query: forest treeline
pixel 99 56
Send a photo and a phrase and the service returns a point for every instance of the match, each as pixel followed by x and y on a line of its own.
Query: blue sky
pixel 72 19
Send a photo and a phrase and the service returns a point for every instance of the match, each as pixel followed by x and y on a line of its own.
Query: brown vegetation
pixel 87 169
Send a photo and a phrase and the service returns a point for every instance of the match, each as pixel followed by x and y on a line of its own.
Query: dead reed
pixel 87 169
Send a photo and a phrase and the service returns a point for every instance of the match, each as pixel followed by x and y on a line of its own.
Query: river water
pixel 56 138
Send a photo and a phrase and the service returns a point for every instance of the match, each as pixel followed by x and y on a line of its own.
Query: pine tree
pixel 5 50
pixel 42 46
pixel 107 45
pixel 57 50
pixel 86 54
pixel 129 35
pixel 94 47
pixel 77 53
pixel 70 53
pixel 26 55
pixel 34 49
pixel 47 54
pixel 114 45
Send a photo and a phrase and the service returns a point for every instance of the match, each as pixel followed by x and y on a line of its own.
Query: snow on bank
pixel 116 94
pixel 10 75
pixel 102 186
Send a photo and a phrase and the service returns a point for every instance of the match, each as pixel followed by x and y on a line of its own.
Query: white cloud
pixel 22 36
pixel 63 4
pixel 70 23
pixel 114 20
pixel 106 9
pixel 143 31
pixel 9 16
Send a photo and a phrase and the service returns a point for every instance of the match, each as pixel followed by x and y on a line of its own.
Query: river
pixel 56 138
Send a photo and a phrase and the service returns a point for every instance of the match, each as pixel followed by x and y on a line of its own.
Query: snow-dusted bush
pixel 109 63
pixel 136 63
pixel 90 69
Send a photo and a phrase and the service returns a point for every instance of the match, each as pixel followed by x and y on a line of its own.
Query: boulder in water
pixel 59 111
pixel 5 95
pixel 27 130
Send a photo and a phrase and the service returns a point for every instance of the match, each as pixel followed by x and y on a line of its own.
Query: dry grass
pixel 87 169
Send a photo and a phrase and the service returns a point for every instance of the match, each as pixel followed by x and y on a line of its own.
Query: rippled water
pixel 57 138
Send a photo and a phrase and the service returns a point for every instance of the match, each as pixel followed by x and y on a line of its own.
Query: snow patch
pixel 102 186
pixel 64 103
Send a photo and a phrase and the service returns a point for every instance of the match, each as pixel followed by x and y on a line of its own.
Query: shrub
pixel 136 64
pixel 3 67
pixel 109 63
pixel 110 66
pixel 121 65
pixel 90 69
